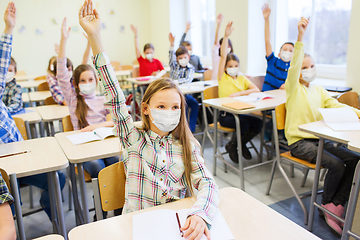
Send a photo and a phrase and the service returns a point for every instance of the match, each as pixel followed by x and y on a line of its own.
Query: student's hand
pixel 10 18
pixel 65 33
pixel 195 227
pixel 235 94
pixel 154 73
pixel 302 25
pixel 134 30
pixel 89 18
pixel 228 29
pixel 86 36
pixel 282 86
pixel 219 19
pixel 188 26
pixel 266 11
pixel 171 39
pixel 90 128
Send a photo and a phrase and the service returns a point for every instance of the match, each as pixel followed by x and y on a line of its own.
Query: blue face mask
pixel 165 120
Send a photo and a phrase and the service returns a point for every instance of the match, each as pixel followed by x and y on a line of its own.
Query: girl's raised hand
pixel 219 18
pixel 134 30
pixel 228 29
pixel 302 25
pixel 10 16
pixel 65 33
pixel 188 26
pixel 195 227
pixel 89 18
pixel 266 11
pixel 171 39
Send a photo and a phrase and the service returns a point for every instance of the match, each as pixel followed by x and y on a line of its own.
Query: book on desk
pixel 97 134
pixel 340 119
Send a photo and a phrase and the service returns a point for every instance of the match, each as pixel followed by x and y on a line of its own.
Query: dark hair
pixel 186 43
pixel 51 63
pixel 287 43
pixel 68 64
pixel 181 50
pixel 229 57
pixel 81 110
pixel 148 45
pixel 230 45
pixel 13 62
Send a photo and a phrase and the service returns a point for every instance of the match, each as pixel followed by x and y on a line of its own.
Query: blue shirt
pixel 276 73
pixel 177 72
pixel 8 130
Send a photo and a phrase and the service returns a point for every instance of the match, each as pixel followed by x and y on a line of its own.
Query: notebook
pixel 340 119
pixel 253 97
pixel 238 105
pixel 162 225
pixel 97 134
pixel 147 78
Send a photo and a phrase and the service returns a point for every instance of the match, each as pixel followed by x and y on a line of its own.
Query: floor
pixel 256 181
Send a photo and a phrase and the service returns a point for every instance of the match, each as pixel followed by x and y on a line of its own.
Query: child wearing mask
pixel 12 97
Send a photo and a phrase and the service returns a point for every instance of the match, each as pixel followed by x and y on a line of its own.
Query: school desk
pixel 44 156
pixel 279 97
pixel 39 96
pixel 322 131
pixel 51 113
pixel 50 237
pixel 25 97
pixel 26 77
pixel 134 82
pixel 255 222
pixel 31 84
pixel 77 154
pixel 31 117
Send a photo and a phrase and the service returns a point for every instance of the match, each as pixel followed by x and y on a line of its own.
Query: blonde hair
pixel 181 132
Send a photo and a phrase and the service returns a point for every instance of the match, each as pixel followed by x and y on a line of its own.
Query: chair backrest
pixel 50 101
pixel 126 67
pixel 20 124
pixel 21 73
pixel 349 98
pixel 135 72
pixel 43 87
pixel 116 65
pixel 112 186
pixel 207 75
pixel 40 78
pixel 5 176
pixel 258 81
pixel 212 92
pixel 280 112
pixel 67 125
pixel 135 62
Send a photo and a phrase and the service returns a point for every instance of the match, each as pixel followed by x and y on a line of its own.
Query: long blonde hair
pixel 181 132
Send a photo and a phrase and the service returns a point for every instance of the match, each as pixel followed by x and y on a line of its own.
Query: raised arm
pixel 172 57
pixel 188 26
pixel 219 20
pixel 266 13
pixel 223 49
pixel 86 55
pixel 137 50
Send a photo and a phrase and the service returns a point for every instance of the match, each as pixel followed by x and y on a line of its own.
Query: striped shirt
pixel 12 97
pixel 8 130
pixel 154 165
pixel 96 112
pixel 177 72
pixel 276 73
pixel 55 89
pixel 5 195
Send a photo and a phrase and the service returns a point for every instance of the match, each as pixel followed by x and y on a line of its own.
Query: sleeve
pixel 207 200
pixel 159 64
pixel 292 81
pixel 189 76
pixel 115 101
pixel 140 59
pixel 5 55
pixel 55 89
pixel 15 101
pixel 200 67
pixel 330 102
pixel 271 58
pixel 172 58
pixel 63 78
pixel 247 82
pixel 182 39
pixel 5 195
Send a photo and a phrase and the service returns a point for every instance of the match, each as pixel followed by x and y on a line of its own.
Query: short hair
pixel 13 62
pixel 230 45
pixel 68 64
pixel 186 43
pixel 287 43
pixel 230 57
pixel 148 45
pixel 181 50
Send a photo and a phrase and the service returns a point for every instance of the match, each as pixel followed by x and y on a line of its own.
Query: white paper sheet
pixel 340 119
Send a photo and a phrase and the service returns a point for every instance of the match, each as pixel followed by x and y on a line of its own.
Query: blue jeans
pixel 94 167
pixel 194 111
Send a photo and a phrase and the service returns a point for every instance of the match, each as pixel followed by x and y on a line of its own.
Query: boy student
pixel 182 71
pixel 8 130
pixel 277 67
pixel 12 93
pixel 7 226
pixel 194 60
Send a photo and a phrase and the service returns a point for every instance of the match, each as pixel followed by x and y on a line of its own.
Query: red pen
pixel 178 220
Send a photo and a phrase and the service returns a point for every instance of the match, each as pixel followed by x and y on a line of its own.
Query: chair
pixel 126 67
pixel 43 87
pixel 116 65
pixel 109 189
pixel 135 72
pixel 50 101
pixel 21 125
pixel 135 62
pixel 5 176
pixel 350 98
pixel 40 78
pixel 258 81
pixel 278 117
pixel 207 75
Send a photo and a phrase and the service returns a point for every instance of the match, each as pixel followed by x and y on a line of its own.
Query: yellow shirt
pixel 302 103
pixel 228 85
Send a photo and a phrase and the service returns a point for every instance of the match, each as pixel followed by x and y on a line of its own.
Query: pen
pixel 13 154
pixel 181 232
pixel 257 99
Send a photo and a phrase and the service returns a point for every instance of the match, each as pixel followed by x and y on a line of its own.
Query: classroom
pixel 232 119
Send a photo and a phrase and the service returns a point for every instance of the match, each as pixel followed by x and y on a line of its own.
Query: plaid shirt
pixel 8 130
pixel 12 97
pixel 55 89
pixel 5 195
pixel 154 166
pixel 177 72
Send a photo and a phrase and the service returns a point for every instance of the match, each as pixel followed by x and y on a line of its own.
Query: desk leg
pixel 42 132
pixel 52 204
pixel 238 136
pixel 15 192
pixel 262 141
pixel 60 212
pixel 28 130
pixel 52 130
pixel 316 183
pixel 133 102
pixel 216 113
pixel 83 193
pixel 79 218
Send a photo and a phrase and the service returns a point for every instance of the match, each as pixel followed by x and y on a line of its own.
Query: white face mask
pixel 229 50
pixel 286 56
pixel 309 74
pixel 10 76
pixel 165 120
pixel 52 67
pixel 87 88
pixel 232 71
pixel 190 52
pixel 70 74
pixel 149 56
pixel 183 62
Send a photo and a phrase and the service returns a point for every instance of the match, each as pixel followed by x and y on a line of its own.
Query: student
pixel 148 66
pixel 302 103
pixel 12 96
pixel 7 225
pixel 277 67
pixel 232 84
pixel 182 71
pixel 8 130
pixel 194 60
pixel 162 160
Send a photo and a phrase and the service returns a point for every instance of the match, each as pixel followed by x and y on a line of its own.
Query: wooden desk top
pixel 354 145
pixel 50 237
pixel 245 222
pixel 26 77
pixel 197 87
pixel 31 117
pixel 45 155
pixel 51 113
pixel 39 96
pixel 123 73
pixel 137 82
pixel 109 147
pixel 30 84
pixel 320 129
pixel 25 97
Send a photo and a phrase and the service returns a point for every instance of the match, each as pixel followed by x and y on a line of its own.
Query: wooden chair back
pixel 40 78
pixel 280 112
pixel 20 73
pixel 116 65
pixel 258 81
pixel 126 67
pixel 135 72
pixel 350 98
pixel 212 92
pixel 50 101
pixel 135 62
pixel 20 124
pixel 5 176
pixel 67 125
pixel 43 87
pixel 112 186
pixel 207 75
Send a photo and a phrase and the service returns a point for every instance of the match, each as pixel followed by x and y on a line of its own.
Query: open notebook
pixel 147 78
pixel 340 119
pixel 162 225
pixel 97 134
pixel 253 97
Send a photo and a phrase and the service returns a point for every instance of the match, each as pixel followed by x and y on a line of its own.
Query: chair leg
pixel 306 171
pixel 222 139
pixel 31 197
pixel 97 199
pixel 271 177
pixel 292 175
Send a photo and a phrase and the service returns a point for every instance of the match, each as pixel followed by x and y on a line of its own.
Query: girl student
pixel 162 160
pixel 302 103
pixel 149 66
pixel 231 84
